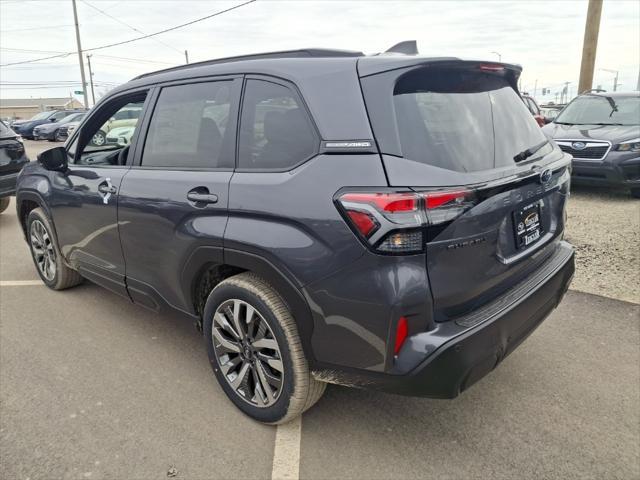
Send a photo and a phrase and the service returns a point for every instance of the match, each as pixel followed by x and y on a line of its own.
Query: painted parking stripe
pixel 286 451
pixel 19 283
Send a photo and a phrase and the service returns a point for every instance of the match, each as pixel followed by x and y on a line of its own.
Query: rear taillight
pixel 398 222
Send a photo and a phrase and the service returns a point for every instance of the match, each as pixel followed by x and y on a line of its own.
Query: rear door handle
pixel 202 195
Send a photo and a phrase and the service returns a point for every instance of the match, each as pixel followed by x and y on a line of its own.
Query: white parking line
pixel 19 283
pixel 286 451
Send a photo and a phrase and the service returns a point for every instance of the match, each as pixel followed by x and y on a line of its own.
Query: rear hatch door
pixel 494 187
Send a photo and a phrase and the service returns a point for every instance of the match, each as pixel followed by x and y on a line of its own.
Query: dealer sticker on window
pixel 527 224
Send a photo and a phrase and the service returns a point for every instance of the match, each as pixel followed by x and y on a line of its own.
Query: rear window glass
pixel 462 120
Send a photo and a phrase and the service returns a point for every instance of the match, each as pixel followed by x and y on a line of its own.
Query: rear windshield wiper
pixel 607 123
pixel 529 152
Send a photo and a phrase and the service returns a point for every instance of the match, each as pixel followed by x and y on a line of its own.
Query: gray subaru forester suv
pixel 392 222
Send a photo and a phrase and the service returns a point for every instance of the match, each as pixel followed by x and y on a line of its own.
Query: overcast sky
pixel 543 36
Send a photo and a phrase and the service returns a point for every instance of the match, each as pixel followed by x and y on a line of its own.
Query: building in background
pixel 23 108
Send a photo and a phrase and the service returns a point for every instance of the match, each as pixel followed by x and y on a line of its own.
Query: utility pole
pixel 535 88
pixel 590 45
pixel 93 95
pixel 84 82
pixel 186 56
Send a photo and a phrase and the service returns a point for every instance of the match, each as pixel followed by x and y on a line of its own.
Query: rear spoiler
pixel 374 65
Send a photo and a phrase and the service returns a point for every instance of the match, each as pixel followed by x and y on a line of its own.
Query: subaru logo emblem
pixel 579 145
pixel 545 176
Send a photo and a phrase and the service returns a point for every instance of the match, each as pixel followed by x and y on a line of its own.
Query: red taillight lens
pixel 402 329
pixel 439 199
pixel 387 202
pixel 365 224
pixel 396 222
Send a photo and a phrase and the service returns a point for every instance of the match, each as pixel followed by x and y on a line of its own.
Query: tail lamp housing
pixel 398 222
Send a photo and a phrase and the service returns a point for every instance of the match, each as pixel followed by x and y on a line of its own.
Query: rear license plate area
pixel 527 225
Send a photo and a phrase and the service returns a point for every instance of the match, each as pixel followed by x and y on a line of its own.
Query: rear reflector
pixel 402 329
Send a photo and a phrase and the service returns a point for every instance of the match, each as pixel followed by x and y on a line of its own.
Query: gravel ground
pixel 604 227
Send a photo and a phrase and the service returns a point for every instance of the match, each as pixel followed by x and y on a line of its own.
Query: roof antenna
pixel 408 47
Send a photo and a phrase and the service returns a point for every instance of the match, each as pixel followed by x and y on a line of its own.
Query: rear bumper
pixel 616 169
pixel 458 353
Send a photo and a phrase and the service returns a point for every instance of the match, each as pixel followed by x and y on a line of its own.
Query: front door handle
pixel 104 188
pixel 201 195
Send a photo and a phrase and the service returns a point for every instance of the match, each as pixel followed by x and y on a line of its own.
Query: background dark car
pixel 12 159
pixel 25 127
pixel 56 131
pixel 602 132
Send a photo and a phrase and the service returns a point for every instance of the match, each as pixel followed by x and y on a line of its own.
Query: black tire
pixel 4 203
pixel 635 192
pixel 299 389
pixel 62 276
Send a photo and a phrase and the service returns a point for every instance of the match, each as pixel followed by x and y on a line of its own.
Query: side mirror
pixel 52 119
pixel 54 159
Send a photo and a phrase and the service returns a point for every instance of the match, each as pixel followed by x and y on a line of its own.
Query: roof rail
pixel 306 52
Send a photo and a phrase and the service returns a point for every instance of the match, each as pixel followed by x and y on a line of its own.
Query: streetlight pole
pixel 84 82
pixel 499 56
pixel 615 79
pixel 93 95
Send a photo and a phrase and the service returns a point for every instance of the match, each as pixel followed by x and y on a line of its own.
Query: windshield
pixel 41 116
pixel 592 109
pixel 462 120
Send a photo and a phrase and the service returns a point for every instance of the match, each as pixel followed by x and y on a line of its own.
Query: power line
pixel 36 60
pixel 129 26
pixel 134 39
pixel 50 27
pixel 171 28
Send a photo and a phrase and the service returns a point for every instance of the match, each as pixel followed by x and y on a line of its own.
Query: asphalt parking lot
pixel 92 386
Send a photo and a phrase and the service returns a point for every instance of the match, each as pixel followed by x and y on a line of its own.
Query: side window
pixel 107 134
pixel 275 129
pixel 188 128
pixel 56 117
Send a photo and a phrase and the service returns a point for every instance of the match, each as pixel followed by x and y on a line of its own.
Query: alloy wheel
pixel 42 249
pixel 247 353
pixel 98 139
